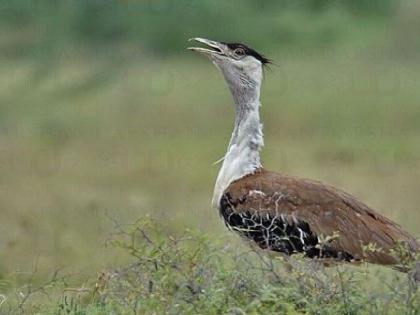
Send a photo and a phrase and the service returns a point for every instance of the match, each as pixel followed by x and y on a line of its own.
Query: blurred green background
pixel 104 114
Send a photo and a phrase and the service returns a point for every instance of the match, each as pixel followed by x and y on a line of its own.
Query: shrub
pixel 192 273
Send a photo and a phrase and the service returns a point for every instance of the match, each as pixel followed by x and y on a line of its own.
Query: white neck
pixel 242 156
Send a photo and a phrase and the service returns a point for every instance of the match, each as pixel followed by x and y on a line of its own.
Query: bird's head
pixel 241 66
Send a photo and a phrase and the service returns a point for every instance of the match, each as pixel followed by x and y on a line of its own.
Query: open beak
pixel 213 48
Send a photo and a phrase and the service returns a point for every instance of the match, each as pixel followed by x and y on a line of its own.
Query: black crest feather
pixel 249 52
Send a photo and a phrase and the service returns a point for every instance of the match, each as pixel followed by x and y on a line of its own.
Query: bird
pixel 283 213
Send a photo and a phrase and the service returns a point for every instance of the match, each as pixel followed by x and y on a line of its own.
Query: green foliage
pixel 191 273
pixel 163 26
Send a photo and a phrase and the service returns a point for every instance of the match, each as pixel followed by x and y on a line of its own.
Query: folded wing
pixel 292 215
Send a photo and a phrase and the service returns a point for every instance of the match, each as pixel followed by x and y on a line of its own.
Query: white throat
pixel 242 156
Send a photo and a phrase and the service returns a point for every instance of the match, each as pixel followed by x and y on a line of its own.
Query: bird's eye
pixel 239 52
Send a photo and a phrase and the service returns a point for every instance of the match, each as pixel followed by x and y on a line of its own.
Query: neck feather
pixel 243 153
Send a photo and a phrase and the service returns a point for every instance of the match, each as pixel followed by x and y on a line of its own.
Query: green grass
pixel 85 138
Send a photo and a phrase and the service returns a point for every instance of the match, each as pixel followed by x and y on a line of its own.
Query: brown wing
pixel 314 210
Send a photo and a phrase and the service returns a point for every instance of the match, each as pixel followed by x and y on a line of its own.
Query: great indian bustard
pixel 283 213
